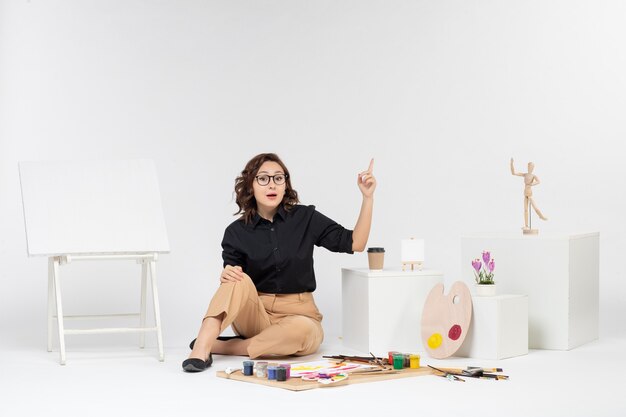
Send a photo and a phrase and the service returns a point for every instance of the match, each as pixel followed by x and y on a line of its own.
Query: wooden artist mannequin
pixel 530 180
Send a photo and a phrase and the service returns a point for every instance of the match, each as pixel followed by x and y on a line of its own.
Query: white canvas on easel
pixel 92 207
pixel 412 253
pixel 94 210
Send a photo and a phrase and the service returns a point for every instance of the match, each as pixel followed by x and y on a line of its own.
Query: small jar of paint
pixel 287 367
pixel 248 368
pixel 261 369
pixel 398 361
pixel 281 373
pixel 407 360
pixel 271 371
pixel 390 355
pixel 415 361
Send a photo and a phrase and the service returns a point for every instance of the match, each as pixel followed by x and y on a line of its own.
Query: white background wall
pixel 440 93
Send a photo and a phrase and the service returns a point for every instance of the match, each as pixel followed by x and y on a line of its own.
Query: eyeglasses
pixel 279 179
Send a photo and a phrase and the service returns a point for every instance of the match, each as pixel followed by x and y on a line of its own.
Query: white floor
pixel 587 381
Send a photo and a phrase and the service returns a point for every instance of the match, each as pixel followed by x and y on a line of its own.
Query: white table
pixel 560 275
pixel 499 328
pixel 382 310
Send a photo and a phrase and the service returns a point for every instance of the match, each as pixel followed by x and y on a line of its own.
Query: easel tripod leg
pixel 57 292
pixel 50 301
pixel 157 311
pixel 142 307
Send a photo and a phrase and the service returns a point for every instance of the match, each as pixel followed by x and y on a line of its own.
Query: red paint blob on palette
pixel 455 332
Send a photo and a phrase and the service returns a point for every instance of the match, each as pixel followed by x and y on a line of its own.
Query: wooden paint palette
pixel 446 319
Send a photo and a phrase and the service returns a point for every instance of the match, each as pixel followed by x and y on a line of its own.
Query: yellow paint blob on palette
pixel 446 319
pixel 434 341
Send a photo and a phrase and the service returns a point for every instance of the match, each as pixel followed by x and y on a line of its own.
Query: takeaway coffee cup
pixel 376 257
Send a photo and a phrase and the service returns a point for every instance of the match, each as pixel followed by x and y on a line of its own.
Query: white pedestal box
pixel 499 328
pixel 560 275
pixel 382 310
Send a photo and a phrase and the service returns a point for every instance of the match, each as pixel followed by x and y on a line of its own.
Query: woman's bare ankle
pixel 209 331
pixel 200 351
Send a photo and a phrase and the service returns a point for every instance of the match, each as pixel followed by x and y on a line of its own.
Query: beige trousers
pixel 276 324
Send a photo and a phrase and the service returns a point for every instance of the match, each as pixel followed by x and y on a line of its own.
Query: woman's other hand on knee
pixel 231 274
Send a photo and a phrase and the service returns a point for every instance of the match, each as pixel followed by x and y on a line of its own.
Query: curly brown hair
pixel 244 190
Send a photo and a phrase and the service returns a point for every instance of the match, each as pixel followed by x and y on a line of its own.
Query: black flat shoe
pixel 197 365
pixel 222 338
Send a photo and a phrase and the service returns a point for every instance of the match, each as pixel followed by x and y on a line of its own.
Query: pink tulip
pixel 491 265
pixel 486 257
pixel 476 264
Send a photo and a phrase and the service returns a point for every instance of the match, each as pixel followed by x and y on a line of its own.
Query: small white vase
pixel 485 290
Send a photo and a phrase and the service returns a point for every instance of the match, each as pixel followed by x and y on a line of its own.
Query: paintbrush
pixel 485 369
pixel 353 358
pixel 377 371
pixel 496 377
pixel 373 360
pixel 474 373
pixel 447 374
pixel 343 358
pixel 464 372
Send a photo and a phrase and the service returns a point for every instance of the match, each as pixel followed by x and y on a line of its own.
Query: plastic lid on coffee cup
pixel 375 250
